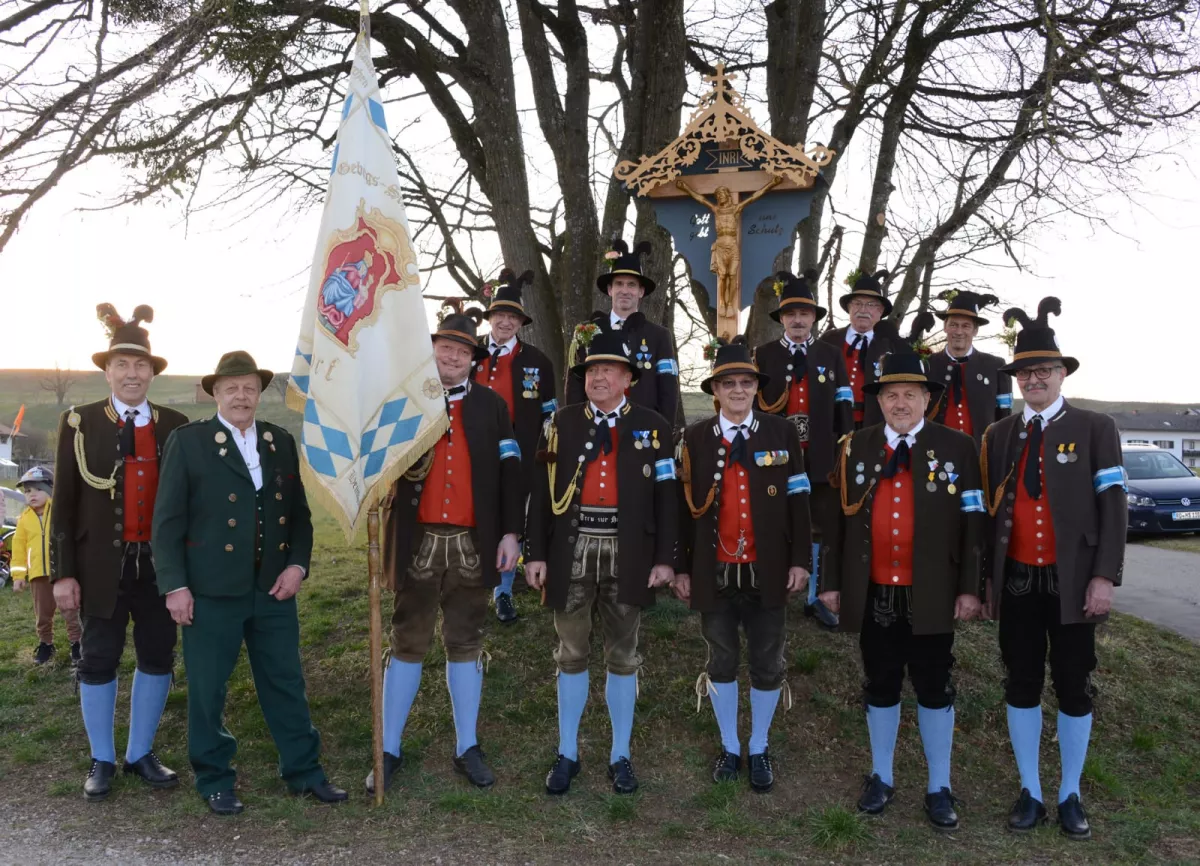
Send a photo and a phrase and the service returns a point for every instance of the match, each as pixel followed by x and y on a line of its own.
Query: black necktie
pixel 860 346
pixel 799 362
pixel 450 392
pixel 1033 455
pixel 616 326
pixel 738 452
pixel 128 436
pixel 604 434
pixel 899 459
pixel 496 350
pixel 957 372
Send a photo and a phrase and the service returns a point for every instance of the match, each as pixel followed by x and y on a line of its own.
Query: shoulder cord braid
pixel 559 507
pixel 992 502
pixel 420 470
pixel 109 483
pixel 686 460
pixel 848 509
pixel 776 407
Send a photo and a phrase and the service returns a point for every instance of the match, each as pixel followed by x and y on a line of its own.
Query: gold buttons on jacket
pixel 232 523
pixel 229 548
pixel 233 497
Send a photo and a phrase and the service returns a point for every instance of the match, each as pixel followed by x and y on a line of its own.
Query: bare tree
pixel 58 383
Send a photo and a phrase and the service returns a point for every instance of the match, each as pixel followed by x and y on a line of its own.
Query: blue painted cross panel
pixel 767 227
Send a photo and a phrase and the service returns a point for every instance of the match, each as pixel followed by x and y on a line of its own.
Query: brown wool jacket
pixel 647 528
pixel 86 530
pixel 495 489
pixel 989 391
pixel 886 336
pixel 947 527
pixel 778 506
pixel 1088 502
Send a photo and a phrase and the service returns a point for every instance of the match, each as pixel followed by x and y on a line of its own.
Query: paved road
pixel 1162 586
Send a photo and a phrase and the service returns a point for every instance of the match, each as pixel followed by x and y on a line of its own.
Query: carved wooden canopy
pixel 722 118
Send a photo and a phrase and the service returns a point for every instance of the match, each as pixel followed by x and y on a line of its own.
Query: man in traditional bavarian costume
pixel 977 390
pixel 1056 486
pixel 807 382
pixel 587 561
pixel 745 548
pixel 865 341
pixel 524 377
pixel 452 528
pixel 106 478
pixel 657 383
pixel 906 568
pixel 232 542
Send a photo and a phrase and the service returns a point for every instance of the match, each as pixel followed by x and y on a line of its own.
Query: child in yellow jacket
pixel 31 563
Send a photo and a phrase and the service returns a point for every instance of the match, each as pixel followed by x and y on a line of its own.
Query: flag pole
pixel 376 643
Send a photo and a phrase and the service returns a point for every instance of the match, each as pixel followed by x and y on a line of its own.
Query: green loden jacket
pixel 204 515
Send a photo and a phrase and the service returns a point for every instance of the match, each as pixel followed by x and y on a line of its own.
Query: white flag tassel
pixel 364 374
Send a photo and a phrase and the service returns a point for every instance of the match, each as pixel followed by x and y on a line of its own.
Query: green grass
pixel 1140 782
pixel 1188 543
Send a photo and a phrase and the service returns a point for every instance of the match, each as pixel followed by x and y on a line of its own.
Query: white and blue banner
pixel 363 375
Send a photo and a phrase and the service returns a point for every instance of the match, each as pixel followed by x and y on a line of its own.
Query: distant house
pixel 1177 432
pixel 203 396
pixel 8 467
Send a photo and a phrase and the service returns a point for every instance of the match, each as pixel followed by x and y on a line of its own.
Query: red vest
pixel 958 415
pixel 892 529
pixel 600 478
pixel 499 379
pixel 447 497
pixel 141 483
pixel 1032 530
pixel 735 519
pixel 798 397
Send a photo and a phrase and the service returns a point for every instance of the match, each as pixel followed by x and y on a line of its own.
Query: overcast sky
pixel 219 284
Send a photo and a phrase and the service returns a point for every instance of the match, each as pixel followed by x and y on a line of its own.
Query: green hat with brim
pixel 236 364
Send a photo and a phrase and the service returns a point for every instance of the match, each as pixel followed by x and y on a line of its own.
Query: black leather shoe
pixel 875 795
pixel 152 772
pixel 823 615
pixel 43 653
pixel 624 780
pixel 76 653
pixel 939 806
pixel 558 780
pixel 1026 813
pixel 473 765
pixel 225 803
pixel 391 763
pixel 762 775
pixel 1072 820
pixel 725 768
pixel 99 780
pixel 324 792
pixel 506 611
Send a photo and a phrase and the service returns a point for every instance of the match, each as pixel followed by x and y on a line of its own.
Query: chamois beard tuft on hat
pixel 920 325
pixel 526 279
pixel 142 313
pixel 643 248
pixel 618 245
pixel 882 274
pixel 505 276
pixel 810 275
pixel 948 294
pixel 474 313
pixel 1016 314
pixel 108 316
pixel 784 276
pixel 1046 306
pixel 986 301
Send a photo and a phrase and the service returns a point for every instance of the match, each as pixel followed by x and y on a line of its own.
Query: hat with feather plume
pixel 127 337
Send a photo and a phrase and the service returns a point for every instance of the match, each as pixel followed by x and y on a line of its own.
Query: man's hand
pixel 535 574
pixel 661 575
pixel 797 579
pixel 832 600
pixel 288 583
pixel 966 606
pixel 683 587
pixel 1098 600
pixel 18 584
pixel 507 553
pixel 66 593
pixel 181 606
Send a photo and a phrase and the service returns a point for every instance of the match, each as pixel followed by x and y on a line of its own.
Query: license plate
pixel 1186 515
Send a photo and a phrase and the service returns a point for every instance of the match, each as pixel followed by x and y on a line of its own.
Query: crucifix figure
pixel 726 260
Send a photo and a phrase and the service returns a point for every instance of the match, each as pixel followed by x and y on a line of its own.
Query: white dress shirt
pixel 505 348
pixel 792 346
pixel 893 438
pixel 454 398
pixel 141 419
pixel 1048 414
pixel 852 335
pixel 615 321
pixel 727 426
pixel 247 446
pixel 612 419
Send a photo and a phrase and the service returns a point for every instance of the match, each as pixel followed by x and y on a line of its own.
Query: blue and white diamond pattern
pixel 327 448
pixel 389 430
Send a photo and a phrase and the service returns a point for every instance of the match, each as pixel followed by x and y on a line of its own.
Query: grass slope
pixel 1142 781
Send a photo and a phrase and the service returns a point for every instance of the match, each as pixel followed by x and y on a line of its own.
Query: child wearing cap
pixel 31 564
